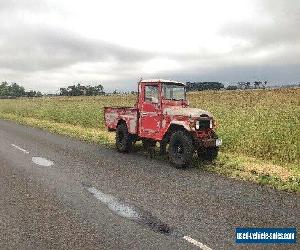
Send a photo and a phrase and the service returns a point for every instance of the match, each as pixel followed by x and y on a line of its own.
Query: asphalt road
pixel 61 193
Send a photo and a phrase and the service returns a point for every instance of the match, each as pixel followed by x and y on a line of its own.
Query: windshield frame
pixel 174 85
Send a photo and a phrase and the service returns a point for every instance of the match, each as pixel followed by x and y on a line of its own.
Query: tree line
pixel 248 85
pixel 78 90
pixel 14 90
pixel 200 86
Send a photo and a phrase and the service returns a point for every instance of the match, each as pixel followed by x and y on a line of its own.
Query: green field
pixel 260 128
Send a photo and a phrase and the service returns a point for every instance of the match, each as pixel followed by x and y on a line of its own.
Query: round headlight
pixel 197 125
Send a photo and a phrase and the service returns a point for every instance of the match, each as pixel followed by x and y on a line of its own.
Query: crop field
pixel 260 128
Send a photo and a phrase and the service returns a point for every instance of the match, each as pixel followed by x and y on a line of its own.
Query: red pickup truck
pixel 162 114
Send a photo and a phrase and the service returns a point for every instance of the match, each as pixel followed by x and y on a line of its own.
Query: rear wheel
pixel 208 154
pixel 123 138
pixel 180 149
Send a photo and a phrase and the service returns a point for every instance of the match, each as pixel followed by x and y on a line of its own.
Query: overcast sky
pixel 45 45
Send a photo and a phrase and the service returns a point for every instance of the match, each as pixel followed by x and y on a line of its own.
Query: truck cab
pixel 162 114
pixel 155 97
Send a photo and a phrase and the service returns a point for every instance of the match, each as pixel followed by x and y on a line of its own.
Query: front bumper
pixel 208 143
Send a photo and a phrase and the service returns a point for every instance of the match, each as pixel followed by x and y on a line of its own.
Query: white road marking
pixel 113 204
pixel 125 210
pixel 196 243
pixel 21 149
pixel 42 161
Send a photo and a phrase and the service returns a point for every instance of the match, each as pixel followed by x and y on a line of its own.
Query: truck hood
pixel 190 112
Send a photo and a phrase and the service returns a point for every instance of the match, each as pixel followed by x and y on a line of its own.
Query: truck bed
pixel 112 116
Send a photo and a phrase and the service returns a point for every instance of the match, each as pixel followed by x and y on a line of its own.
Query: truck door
pixel 150 115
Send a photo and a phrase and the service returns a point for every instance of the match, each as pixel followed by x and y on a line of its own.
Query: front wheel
pixel 181 149
pixel 123 138
pixel 208 154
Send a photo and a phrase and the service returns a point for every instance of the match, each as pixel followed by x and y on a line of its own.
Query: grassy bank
pixel 260 129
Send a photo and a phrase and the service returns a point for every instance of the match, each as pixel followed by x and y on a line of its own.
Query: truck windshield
pixel 173 92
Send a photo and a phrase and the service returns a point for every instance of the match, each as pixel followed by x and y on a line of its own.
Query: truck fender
pixel 173 126
pixel 130 123
pixel 180 123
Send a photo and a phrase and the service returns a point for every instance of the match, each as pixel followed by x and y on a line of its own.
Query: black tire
pixel 181 149
pixel 123 138
pixel 208 154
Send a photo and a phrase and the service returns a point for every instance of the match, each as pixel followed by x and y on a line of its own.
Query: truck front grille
pixel 204 124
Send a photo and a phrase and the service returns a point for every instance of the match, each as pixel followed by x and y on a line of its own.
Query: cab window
pixel 151 93
pixel 174 92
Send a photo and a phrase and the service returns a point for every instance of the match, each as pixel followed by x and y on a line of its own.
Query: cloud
pixel 274 74
pixel 45 48
pixel 45 45
pixel 276 23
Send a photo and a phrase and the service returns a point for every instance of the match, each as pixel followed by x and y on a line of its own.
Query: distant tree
pixel 241 85
pixel 16 90
pixel 12 89
pixel 78 90
pixel 257 84
pixel 244 85
pixel 4 89
pixel 247 85
pixel 94 90
pixel 33 93
pixel 199 86
pixel 89 91
pixel 232 87
pixel 98 90
pixel 75 90
pixel 63 92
